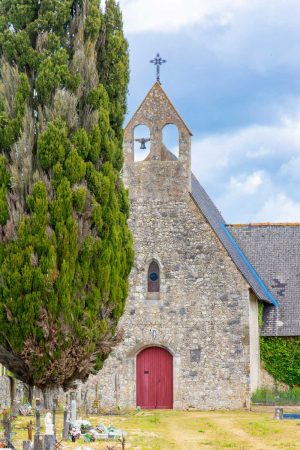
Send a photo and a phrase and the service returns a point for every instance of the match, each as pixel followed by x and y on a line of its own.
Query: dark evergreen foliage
pixel 65 248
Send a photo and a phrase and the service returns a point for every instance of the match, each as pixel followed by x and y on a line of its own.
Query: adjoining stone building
pixel 191 320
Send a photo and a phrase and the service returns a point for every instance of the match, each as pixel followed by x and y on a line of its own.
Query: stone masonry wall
pixel 202 313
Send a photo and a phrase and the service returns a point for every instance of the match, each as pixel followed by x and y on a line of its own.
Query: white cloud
pixel 249 172
pixel 172 15
pixel 259 153
pixel 217 155
pixel 279 208
pixel 253 34
pixel 247 184
pixel 291 169
pixel 257 198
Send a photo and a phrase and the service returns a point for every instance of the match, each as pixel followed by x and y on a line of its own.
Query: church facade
pixel 191 337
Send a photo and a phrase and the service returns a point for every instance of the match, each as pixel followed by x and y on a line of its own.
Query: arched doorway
pixel 154 379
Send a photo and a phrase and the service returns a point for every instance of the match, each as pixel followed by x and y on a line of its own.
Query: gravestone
pixel 68 407
pixel 7 430
pixel 15 408
pixel 73 407
pixel 278 413
pixel 96 405
pixel 49 443
pixel 49 427
pixel 38 443
pixel 38 416
pixel 65 433
pixel 29 429
pixel 55 402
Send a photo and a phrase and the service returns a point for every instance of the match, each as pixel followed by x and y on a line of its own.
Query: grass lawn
pixel 188 430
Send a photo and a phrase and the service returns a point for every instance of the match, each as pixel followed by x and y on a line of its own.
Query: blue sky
pixel 233 73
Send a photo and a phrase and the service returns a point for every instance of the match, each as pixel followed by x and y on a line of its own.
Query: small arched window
pixel 153 277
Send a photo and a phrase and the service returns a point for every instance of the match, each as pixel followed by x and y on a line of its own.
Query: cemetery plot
pixel 167 430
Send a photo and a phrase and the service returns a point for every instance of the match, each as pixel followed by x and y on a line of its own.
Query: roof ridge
pixel 264 224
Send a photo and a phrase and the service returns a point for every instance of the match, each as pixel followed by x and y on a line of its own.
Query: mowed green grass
pixel 189 430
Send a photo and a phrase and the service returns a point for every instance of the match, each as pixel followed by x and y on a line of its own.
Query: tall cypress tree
pixel 65 248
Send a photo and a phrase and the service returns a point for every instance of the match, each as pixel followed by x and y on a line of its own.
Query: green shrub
pixel 79 199
pixel 281 358
pixel 276 397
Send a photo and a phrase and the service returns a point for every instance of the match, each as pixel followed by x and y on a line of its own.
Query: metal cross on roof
pixel 158 61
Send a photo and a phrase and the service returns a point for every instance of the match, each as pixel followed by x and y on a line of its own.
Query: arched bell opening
pixel 170 138
pixel 142 142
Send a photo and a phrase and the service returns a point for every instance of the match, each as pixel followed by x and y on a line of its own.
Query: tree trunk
pixel 13 386
pixel 48 395
pixel 45 398
pixel 29 393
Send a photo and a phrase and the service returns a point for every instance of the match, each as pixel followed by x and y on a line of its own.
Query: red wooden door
pixel 154 379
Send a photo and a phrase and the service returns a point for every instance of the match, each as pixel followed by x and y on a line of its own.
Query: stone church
pixel 191 321
pixel 191 334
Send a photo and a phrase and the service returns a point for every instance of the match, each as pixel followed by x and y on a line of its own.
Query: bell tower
pixel 156 111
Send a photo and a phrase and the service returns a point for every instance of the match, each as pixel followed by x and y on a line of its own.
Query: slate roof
pixel 274 252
